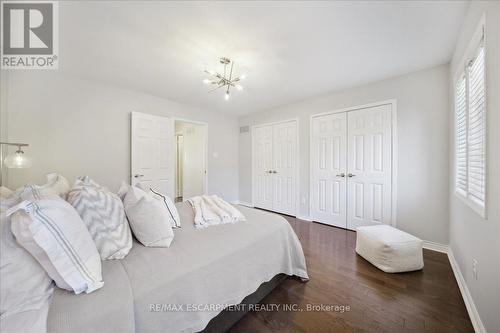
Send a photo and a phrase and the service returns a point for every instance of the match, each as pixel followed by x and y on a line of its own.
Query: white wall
pixel 472 237
pixel 78 127
pixel 422 105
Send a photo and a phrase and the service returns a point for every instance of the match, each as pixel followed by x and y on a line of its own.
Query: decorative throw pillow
pixel 50 229
pixel 5 199
pixel 58 184
pixel 169 205
pixel 104 215
pixel 19 268
pixel 5 192
pixel 148 218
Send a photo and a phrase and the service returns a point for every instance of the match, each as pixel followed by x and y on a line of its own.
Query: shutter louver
pixel 476 129
pixel 461 136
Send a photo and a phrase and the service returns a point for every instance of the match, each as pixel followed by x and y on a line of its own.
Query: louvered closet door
pixel 369 166
pixel 329 151
pixel 283 172
pixel 263 166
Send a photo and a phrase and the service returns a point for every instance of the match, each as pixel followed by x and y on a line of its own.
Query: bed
pixel 183 287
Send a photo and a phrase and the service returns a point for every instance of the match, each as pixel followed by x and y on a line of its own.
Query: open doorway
pixel 191 159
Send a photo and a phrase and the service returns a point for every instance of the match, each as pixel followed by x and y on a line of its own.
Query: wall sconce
pixel 15 160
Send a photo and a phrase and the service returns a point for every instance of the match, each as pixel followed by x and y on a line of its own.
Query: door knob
pixel 274 171
pixel 340 175
pixel 138 175
pixel 350 175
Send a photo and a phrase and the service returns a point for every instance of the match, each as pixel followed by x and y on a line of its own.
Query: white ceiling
pixel 289 50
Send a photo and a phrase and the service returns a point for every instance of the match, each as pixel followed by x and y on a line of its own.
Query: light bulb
pixel 211 72
pixel 17 160
pixel 207 81
pixel 226 96
pixel 242 77
pixel 239 87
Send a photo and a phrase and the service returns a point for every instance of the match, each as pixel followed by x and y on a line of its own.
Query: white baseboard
pixel 464 290
pixel 443 248
pixel 436 247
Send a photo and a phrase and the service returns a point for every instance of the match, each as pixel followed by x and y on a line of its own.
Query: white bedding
pixel 202 267
pixel 211 210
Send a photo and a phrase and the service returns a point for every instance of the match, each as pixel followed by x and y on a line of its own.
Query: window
pixel 470 132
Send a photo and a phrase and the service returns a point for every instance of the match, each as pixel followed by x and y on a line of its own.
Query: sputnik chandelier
pixel 225 80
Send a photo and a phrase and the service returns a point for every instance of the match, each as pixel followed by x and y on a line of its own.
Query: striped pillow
pixel 104 215
pixel 53 233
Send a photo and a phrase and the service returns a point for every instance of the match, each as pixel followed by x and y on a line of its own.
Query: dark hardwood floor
pixel 423 301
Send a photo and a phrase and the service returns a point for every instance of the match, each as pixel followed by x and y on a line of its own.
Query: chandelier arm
pixel 231 72
pixel 218 87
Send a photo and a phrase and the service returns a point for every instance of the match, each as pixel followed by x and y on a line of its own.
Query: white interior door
pixel 329 165
pixel 263 166
pixel 369 169
pixel 284 167
pixel 152 152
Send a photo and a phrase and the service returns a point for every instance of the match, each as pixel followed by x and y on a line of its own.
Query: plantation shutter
pixel 461 135
pixel 476 129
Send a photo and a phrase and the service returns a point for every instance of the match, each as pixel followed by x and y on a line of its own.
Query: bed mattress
pixel 181 288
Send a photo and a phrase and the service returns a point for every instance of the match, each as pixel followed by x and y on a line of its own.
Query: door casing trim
pixel 202 123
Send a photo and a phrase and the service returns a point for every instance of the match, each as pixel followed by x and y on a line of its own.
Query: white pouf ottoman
pixel 389 249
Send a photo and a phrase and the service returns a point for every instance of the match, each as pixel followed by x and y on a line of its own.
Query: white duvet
pixel 181 288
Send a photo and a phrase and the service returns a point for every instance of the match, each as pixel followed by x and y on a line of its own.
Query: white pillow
pixel 51 230
pixel 24 284
pixel 104 215
pixel 5 192
pixel 58 184
pixel 148 218
pixel 7 198
pixel 169 205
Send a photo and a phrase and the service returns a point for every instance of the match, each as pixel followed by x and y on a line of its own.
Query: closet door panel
pixel 284 167
pixel 328 163
pixel 263 186
pixel 369 167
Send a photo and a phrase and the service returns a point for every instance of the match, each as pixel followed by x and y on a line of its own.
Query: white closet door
pixel 329 166
pixel 284 170
pixel 153 152
pixel 369 166
pixel 263 166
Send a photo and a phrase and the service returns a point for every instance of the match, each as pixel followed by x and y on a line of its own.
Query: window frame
pixel 477 42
